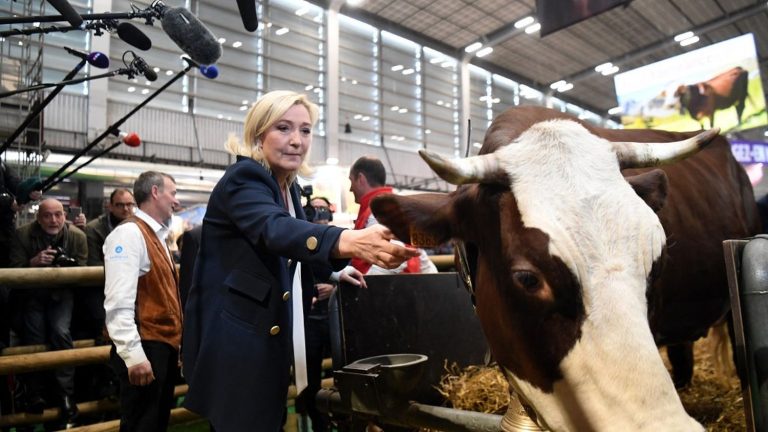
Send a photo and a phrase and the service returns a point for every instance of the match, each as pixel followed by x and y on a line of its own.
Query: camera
pixel 315 214
pixel 61 259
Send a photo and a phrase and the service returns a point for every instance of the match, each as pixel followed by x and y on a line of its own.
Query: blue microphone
pixel 95 59
pixel 210 72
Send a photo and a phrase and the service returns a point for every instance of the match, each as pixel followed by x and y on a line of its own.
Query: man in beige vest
pixel 143 312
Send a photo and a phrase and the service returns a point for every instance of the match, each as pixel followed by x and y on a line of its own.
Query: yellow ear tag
pixel 423 239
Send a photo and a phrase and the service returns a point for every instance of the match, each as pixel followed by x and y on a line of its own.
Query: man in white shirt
pixel 143 312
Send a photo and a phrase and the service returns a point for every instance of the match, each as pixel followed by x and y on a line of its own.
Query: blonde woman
pixel 253 275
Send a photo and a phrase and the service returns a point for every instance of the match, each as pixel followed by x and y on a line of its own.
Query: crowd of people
pixel 250 303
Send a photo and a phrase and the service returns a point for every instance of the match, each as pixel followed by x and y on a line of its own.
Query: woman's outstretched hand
pixel 373 245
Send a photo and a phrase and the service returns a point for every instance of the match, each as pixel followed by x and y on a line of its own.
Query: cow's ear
pixel 652 187
pixel 421 219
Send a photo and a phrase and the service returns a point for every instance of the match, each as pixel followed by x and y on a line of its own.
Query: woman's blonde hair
pixel 262 115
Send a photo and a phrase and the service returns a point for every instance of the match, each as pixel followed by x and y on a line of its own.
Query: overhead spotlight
pixel 484 52
pixel 525 22
pixel 533 28
pixel 689 41
pixel 683 36
pixel 473 47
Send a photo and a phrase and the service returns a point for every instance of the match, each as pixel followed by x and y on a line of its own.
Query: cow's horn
pixel 475 169
pixel 639 155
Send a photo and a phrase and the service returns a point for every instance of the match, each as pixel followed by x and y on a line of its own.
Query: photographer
pixel 46 313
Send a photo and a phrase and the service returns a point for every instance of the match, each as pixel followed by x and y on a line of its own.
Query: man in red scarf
pixel 368 179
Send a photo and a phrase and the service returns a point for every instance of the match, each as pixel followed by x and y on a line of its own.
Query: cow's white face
pixel 567 184
pixel 564 248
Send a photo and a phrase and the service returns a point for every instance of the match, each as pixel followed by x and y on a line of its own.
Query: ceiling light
pixel 557 84
pixel 402 110
pixel 447 64
pixel 533 28
pixel 484 52
pixel 525 22
pixel 427 131
pixel 365 118
pixel 147 82
pixel 495 100
pixel 244 107
pixel 156 69
pixel 245 102
pixel 169 72
pixel 408 71
pixel 440 102
pixel 604 66
pixel 357 116
pixel 145 91
pixel 483 98
pixel 476 144
pixel 222 40
pixel 565 88
pixel 308 87
pixel 332 161
pixel 436 60
pixel 615 110
pixel 35 24
pixel 396 68
pixel 301 11
pixel 282 31
pixel 473 47
pixel 689 41
pixel 395 108
pixel 683 36
pixel 354 82
pixel 220 116
pixel 237 44
pixel 131 89
pixel 354 2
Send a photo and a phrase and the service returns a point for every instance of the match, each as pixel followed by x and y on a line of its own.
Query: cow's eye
pixel 526 280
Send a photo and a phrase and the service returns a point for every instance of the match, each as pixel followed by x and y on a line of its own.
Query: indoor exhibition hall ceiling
pixel 629 36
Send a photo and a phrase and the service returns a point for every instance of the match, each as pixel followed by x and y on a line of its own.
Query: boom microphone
pixel 192 36
pixel 248 14
pixel 95 59
pixel 131 35
pixel 143 68
pixel 66 10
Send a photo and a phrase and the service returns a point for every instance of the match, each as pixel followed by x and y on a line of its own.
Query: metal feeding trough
pixel 379 385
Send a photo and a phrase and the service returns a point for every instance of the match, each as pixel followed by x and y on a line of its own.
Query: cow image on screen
pixel 701 100
pixel 586 258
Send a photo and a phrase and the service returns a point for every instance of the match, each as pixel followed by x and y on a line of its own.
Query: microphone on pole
pixel 95 59
pixel 248 14
pixel 130 139
pixel 210 72
pixel 139 65
pixel 188 33
pixel 131 35
pixel 67 11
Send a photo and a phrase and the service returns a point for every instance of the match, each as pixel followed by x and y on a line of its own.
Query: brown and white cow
pixel 569 252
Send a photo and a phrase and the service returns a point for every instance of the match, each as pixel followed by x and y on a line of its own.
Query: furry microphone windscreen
pixel 192 36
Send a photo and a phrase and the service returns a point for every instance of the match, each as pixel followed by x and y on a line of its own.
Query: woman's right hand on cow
pixel 373 245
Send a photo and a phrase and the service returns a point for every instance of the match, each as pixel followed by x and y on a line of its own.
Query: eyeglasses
pixel 125 205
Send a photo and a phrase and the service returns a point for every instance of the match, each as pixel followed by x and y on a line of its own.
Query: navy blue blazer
pixel 237 344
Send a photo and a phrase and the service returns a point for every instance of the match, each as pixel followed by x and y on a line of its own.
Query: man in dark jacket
pixel 49 242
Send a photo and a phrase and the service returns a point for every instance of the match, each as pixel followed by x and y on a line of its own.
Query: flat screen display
pixel 554 15
pixel 717 84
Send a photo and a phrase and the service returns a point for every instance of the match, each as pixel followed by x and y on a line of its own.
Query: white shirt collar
pixel 159 229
